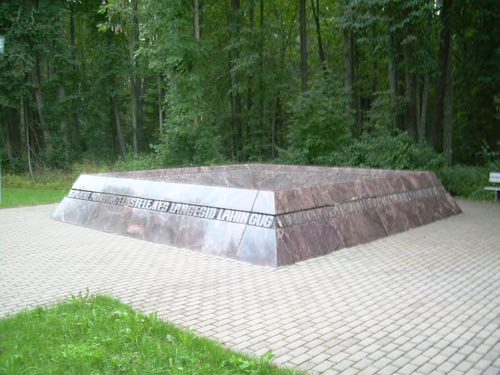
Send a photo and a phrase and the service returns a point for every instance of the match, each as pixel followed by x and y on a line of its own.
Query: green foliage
pixel 318 124
pixel 137 162
pixel 385 150
pixel 466 181
pixel 49 179
pixel 234 92
pixel 13 197
pixel 99 335
pixel 477 79
pixel 188 145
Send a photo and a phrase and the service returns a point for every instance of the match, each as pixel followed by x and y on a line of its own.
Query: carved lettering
pixel 204 212
pixel 243 218
pixel 201 211
pixel 211 213
pixel 162 206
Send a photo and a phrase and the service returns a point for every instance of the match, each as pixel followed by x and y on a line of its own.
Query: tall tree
pixel 321 52
pixel 304 69
pixel 134 80
pixel 443 66
pixel 234 78
pixel 448 107
pixel 350 63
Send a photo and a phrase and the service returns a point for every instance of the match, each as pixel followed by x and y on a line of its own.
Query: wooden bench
pixel 494 178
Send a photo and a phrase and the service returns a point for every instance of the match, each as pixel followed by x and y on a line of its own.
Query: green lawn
pixel 12 197
pixel 100 335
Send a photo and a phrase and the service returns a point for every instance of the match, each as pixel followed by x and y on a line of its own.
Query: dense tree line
pixel 197 81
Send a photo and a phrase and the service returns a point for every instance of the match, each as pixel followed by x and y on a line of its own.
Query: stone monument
pixel 270 215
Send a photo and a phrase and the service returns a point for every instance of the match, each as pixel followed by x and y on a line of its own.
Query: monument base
pixel 270 215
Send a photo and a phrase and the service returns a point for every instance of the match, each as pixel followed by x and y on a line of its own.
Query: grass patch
pixel 47 180
pixel 100 335
pixel 12 197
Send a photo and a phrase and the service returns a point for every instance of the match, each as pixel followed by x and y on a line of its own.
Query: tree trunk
pixel 321 52
pixel 11 134
pixel 411 106
pixel 24 124
pixel 419 105
pixel 235 94
pixel 448 108
pixel 394 60
pixel 423 114
pixel 160 106
pixel 196 20
pixel 273 129
pixel 303 46
pixel 75 133
pixel 248 134
pixel 39 104
pixel 411 82
pixel 134 97
pixel 411 87
pixel 348 63
pixel 119 133
pixel 443 56
pixel 261 66
pixel 142 87
pixel 8 144
pixel 350 76
pixel 63 123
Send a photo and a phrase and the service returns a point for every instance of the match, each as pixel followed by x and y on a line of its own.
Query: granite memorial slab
pixel 270 215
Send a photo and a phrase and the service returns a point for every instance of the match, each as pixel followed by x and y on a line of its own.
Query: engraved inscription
pixel 347 208
pixel 176 208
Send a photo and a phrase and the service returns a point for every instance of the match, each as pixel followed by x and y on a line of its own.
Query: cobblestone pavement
pixel 425 301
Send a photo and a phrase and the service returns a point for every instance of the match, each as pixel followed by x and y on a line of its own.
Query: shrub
pixel 466 181
pixel 318 124
pixel 381 149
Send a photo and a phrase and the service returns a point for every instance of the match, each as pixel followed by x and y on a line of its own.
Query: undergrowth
pixel 100 335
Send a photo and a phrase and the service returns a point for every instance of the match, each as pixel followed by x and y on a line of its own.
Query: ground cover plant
pixel 100 335
pixel 48 186
pixel 13 197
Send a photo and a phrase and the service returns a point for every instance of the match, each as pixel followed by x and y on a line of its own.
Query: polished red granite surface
pixel 265 214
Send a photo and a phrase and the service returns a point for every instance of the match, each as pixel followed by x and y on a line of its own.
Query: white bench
pixel 494 178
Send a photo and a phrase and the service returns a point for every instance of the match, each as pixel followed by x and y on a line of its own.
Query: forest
pixel 409 84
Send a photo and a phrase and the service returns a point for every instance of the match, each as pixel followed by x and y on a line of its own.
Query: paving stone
pixel 408 369
pixel 323 366
pixel 427 300
pixel 427 368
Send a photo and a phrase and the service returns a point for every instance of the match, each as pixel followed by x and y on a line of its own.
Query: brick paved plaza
pixel 425 301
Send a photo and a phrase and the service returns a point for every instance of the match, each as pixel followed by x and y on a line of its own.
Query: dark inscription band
pixel 176 208
pixel 347 208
